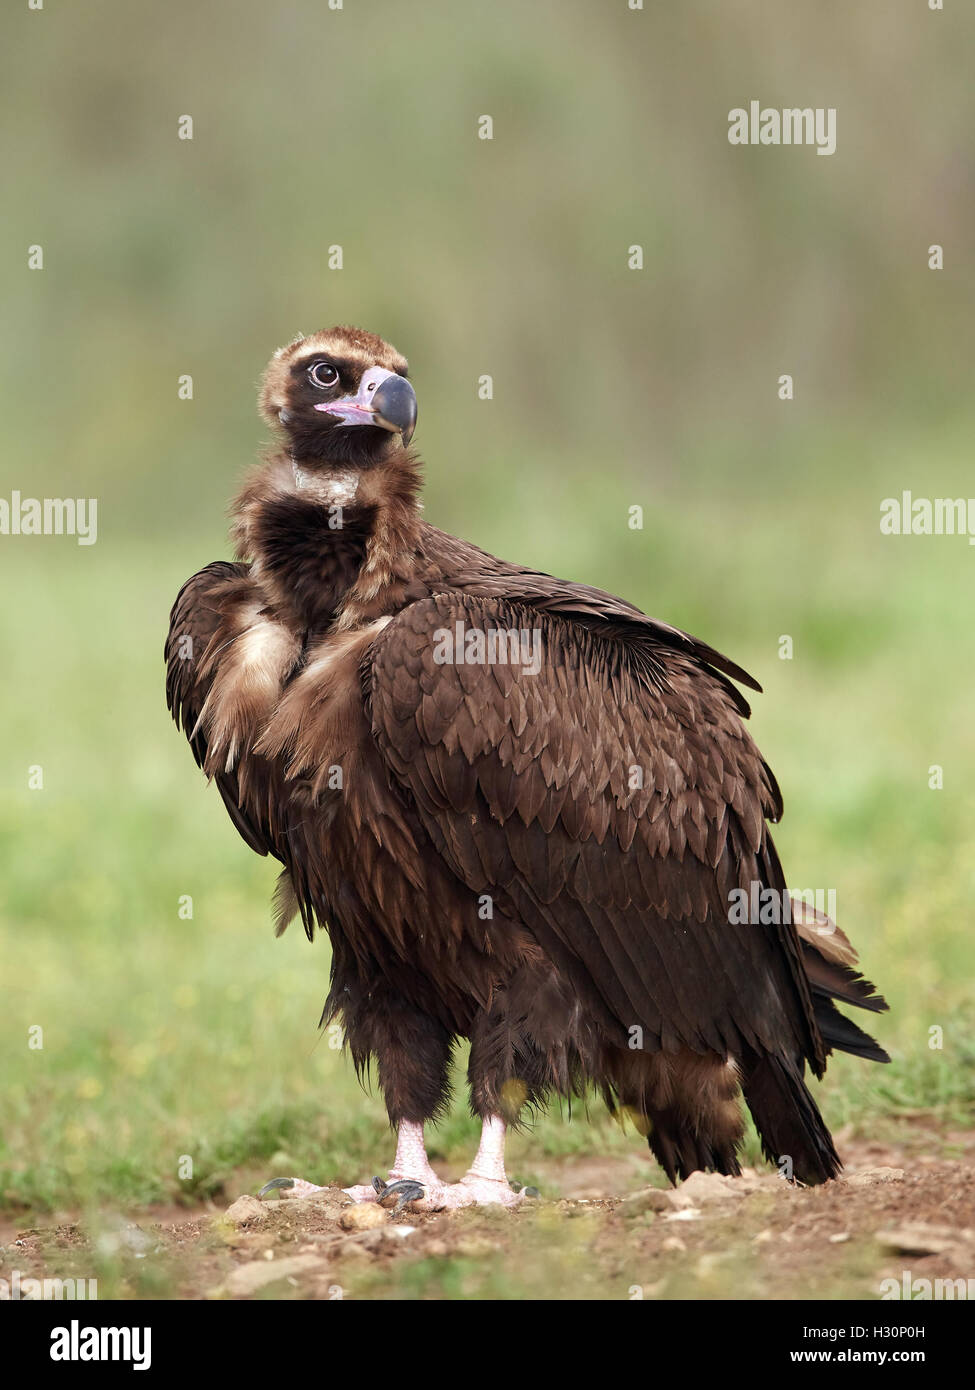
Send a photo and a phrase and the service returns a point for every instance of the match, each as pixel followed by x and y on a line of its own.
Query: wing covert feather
pixel 613 812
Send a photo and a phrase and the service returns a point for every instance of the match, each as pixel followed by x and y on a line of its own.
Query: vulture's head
pixel 340 396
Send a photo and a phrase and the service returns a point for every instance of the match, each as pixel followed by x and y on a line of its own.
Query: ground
pixel 597 1231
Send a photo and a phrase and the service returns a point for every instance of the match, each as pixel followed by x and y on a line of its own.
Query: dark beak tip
pixel 395 406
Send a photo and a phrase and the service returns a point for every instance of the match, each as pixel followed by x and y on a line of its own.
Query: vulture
pixel 526 813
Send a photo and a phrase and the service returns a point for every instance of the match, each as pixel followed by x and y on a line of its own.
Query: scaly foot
pixel 413 1183
pixel 472 1190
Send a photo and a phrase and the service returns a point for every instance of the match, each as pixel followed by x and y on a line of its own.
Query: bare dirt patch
pixel 899 1210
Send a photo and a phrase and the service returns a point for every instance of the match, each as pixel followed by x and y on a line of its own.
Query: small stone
pixel 701 1189
pixel 246 1209
pixel 364 1216
pixel 919 1238
pixel 839 1238
pixel 247 1279
pixel 869 1177
pixel 673 1243
pixel 649 1199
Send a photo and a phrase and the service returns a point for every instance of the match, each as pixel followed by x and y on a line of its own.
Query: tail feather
pixel 840 982
pixel 841 1032
pixel 787 1118
pixel 830 964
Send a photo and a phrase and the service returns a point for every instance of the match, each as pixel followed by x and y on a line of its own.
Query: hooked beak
pixel 383 398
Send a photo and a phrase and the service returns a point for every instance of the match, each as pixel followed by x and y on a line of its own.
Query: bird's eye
pixel 323 374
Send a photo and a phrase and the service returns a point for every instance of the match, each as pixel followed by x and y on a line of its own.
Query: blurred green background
pixel 166 1037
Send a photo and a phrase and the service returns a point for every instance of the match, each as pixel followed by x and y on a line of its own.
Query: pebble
pixel 919 1238
pixel 364 1216
pixel 247 1279
pixel 701 1189
pixel 868 1177
pixel 246 1209
pixel 649 1199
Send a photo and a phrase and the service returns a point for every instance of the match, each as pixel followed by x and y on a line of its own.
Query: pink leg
pixel 484 1183
pixel 489 1159
pixel 410 1164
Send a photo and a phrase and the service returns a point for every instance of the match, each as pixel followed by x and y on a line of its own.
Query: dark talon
pixel 405 1191
pixel 276 1182
pixel 531 1192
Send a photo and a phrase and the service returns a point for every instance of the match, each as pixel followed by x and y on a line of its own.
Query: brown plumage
pixel 534 847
